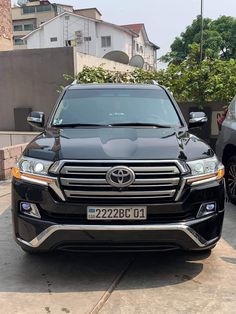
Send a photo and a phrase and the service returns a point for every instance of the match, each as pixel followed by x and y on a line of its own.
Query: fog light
pixel 25 207
pixel 210 207
pixel 206 209
pixel 29 209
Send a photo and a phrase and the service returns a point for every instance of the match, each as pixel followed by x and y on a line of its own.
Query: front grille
pixel 116 247
pixel 87 180
pixel 81 218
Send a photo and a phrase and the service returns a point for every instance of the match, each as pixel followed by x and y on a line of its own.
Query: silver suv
pixel 226 150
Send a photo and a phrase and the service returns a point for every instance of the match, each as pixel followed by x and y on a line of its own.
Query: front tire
pixel 230 179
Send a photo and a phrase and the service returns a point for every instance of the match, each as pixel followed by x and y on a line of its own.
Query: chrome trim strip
pixel 168 181
pixel 53 185
pixel 76 181
pixel 137 182
pixel 80 169
pixel 56 167
pixel 76 169
pixel 77 193
pixel 180 192
pixel 56 188
pixel 34 180
pixel 133 186
pixel 203 181
pixel 186 228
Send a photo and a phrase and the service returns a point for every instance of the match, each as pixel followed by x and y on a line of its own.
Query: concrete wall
pixel 15 138
pixel 80 60
pixel 30 79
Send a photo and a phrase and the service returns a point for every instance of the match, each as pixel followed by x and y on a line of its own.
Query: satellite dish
pixel 137 61
pixel 117 56
pixel 21 3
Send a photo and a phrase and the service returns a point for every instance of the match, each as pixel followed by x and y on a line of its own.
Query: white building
pixel 95 37
pixel 143 46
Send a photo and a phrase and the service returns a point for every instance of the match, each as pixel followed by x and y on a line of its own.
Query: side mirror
pixel 197 119
pixel 36 119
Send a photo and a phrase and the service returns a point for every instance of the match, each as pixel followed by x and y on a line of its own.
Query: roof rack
pixel 153 82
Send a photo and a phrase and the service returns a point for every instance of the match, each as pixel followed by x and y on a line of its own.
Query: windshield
pixel 116 106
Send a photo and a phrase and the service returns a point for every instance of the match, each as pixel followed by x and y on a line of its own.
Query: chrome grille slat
pixel 169 193
pixel 161 170
pixel 87 179
pixel 75 181
pixel 141 170
pixel 76 170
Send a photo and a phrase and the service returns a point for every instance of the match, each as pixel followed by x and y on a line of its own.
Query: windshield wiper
pixel 77 125
pixel 156 125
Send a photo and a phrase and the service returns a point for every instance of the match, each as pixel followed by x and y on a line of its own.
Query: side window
pixel 231 114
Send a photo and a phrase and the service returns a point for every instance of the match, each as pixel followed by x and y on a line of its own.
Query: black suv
pixel 226 149
pixel 115 168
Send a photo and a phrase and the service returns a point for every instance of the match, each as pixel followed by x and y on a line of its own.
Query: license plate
pixel 117 213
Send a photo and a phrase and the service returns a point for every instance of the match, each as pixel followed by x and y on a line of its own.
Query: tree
pixel 226 27
pixel 219 38
pixel 210 80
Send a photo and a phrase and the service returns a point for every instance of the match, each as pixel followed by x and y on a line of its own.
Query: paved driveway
pixel 173 282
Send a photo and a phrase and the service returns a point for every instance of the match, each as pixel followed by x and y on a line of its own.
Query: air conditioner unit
pixel 79 37
pixel 78 33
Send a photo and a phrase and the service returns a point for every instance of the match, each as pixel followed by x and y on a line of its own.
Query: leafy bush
pixel 189 81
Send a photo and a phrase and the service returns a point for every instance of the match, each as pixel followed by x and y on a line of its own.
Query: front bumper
pixel 170 225
pixel 122 237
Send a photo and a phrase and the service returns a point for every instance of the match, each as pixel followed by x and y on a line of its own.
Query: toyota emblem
pixel 120 176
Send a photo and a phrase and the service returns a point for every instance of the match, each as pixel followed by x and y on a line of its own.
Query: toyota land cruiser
pixel 115 168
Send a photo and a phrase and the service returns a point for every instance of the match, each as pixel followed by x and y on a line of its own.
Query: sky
pixel 163 19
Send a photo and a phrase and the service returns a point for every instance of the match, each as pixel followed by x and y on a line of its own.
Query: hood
pixel 117 143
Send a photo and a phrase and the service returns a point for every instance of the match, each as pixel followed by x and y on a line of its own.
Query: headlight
pixel 33 170
pixel 36 171
pixel 205 170
pixel 203 166
pixel 35 166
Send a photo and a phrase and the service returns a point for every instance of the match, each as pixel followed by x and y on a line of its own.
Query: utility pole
pixel 202 28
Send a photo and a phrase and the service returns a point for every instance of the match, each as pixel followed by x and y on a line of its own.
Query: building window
pixel 87 38
pixel 18 28
pixel 28 10
pixel 28 27
pixel 43 8
pixel 141 49
pixel 137 47
pixel 106 41
pixel 53 39
pixel 18 41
